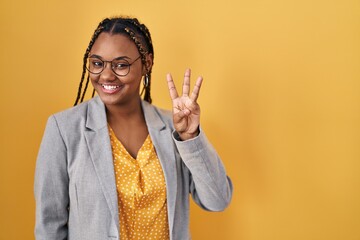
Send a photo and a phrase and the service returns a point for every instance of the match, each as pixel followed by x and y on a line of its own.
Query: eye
pixel 96 63
pixel 121 65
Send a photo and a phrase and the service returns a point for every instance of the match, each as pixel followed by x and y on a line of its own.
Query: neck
pixel 127 111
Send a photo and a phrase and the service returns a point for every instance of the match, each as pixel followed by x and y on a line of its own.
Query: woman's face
pixel 113 89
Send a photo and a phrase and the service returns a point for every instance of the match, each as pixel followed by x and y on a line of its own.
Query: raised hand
pixel 186 110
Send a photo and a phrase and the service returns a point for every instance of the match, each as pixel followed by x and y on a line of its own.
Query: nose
pixel 107 74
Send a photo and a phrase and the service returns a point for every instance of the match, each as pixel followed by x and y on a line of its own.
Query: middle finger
pixel 186 83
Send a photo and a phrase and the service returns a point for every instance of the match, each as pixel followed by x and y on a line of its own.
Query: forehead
pixel 110 46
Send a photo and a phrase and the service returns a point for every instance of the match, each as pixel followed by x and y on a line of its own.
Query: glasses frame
pixel 112 65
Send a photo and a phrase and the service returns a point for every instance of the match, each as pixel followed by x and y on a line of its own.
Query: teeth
pixel 109 87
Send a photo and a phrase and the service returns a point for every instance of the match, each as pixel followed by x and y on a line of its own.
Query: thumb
pixel 180 115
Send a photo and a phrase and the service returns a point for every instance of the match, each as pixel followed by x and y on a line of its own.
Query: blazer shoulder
pixel 72 114
pixel 75 119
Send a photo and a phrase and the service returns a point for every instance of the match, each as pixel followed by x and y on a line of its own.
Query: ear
pixel 148 63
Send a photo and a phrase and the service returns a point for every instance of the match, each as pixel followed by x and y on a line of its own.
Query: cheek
pixel 132 77
pixel 94 78
pixel 137 72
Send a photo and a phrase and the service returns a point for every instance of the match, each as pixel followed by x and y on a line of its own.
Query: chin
pixel 118 100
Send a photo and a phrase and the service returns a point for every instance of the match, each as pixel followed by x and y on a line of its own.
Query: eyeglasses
pixel 119 66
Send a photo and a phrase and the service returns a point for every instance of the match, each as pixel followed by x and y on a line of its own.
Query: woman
pixel 118 167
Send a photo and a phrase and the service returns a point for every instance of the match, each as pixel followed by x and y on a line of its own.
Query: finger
pixel 186 83
pixel 171 86
pixel 180 115
pixel 195 93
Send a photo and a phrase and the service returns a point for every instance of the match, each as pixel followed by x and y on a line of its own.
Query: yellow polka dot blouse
pixel 141 192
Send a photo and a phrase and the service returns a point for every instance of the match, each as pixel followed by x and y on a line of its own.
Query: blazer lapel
pixel 161 136
pixel 98 141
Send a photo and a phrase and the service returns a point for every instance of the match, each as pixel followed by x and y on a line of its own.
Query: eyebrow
pixel 118 58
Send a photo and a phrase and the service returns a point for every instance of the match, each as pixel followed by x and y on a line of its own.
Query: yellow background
pixel 280 102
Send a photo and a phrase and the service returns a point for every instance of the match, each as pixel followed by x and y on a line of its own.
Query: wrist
pixel 187 136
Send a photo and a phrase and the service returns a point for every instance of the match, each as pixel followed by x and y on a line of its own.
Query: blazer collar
pixel 152 118
pixel 96 115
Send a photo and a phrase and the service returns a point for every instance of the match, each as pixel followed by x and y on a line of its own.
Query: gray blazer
pixel 75 189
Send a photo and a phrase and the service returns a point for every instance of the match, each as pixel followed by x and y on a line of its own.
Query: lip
pixel 110 88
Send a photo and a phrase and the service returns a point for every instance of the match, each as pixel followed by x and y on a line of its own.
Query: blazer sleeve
pixel 51 185
pixel 210 188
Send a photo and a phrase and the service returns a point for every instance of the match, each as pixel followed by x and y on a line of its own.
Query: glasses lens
pixel 95 65
pixel 121 67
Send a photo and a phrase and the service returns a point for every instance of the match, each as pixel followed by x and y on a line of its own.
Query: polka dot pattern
pixel 141 192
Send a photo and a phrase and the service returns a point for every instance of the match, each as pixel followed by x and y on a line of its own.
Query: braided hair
pixel 137 32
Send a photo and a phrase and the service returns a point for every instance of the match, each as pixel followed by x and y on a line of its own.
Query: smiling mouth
pixel 110 87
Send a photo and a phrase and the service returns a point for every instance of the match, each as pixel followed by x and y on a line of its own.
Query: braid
pixel 137 32
pixel 143 52
pixel 81 82
pixel 143 29
pixel 86 86
pixel 147 96
pixel 147 38
pixel 137 43
pixel 94 37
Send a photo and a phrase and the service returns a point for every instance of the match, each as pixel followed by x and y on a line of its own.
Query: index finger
pixel 171 86
pixel 195 93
